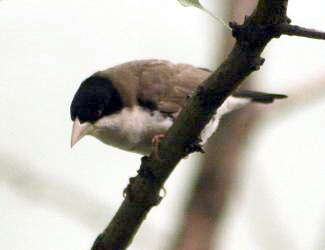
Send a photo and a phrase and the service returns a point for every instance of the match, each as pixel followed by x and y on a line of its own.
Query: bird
pixel 130 106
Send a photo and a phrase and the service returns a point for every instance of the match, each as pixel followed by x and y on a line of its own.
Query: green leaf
pixel 197 4
pixel 193 3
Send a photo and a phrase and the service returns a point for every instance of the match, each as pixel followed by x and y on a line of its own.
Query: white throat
pixel 131 129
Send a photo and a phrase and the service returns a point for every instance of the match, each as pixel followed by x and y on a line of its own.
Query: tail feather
pixel 256 96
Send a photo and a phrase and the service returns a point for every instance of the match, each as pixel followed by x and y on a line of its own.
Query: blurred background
pixel 261 184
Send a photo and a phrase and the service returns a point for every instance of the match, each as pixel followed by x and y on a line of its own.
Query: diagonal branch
pixel 295 30
pixel 142 192
pixel 217 170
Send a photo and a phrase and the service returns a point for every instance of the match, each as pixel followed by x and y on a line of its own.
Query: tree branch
pixel 295 30
pixel 142 192
pixel 216 180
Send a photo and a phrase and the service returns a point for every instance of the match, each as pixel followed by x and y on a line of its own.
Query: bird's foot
pixel 155 143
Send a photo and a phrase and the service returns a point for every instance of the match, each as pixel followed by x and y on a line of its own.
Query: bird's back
pixel 156 84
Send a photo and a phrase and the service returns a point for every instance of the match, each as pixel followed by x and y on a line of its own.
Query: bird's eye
pixel 98 113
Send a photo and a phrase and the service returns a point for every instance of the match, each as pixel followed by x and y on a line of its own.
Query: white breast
pixel 132 129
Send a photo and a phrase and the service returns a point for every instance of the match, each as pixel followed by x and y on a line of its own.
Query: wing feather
pixel 169 85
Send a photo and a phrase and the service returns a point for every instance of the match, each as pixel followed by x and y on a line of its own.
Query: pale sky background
pixel 53 197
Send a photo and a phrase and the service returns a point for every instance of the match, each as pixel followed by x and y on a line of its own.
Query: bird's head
pixel 95 98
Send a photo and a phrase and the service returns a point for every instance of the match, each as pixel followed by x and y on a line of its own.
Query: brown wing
pixel 166 86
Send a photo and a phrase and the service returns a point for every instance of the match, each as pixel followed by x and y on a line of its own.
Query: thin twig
pixel 295 30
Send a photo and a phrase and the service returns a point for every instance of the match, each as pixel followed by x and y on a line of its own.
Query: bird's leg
pixel 155 143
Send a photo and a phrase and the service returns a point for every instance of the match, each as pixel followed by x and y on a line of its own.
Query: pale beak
pixel 79 131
